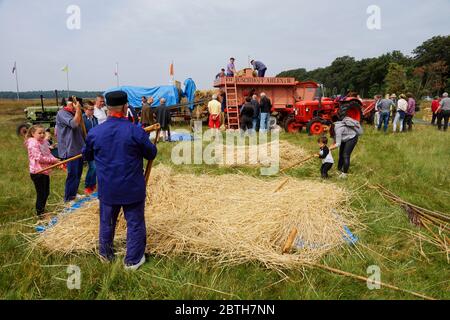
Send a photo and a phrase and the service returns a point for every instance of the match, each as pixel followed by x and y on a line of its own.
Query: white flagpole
pixel 17 80
pixel 68 87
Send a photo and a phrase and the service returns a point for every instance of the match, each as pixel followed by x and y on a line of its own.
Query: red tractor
pixel 318 115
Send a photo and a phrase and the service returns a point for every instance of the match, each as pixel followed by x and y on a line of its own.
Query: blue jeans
pixel 262 73
pixel 255 123
pixel 384 119
pixel 399 118
pixel 74 173
pixel 265 121
pixel 136 231
pixel 91 176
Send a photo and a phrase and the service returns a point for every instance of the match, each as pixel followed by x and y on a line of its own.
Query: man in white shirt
pixel 100 110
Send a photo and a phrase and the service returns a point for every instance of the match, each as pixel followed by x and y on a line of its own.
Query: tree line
pixel 424 73
pixel 48 94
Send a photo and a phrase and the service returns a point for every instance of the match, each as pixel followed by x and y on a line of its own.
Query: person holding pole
pixel 70 143
pixel 39 156
pixel 118 148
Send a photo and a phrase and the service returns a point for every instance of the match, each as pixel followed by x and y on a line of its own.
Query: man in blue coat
pixel 260 67
pixel 119 147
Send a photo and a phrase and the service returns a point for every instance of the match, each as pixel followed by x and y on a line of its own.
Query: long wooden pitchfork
pixel 148 170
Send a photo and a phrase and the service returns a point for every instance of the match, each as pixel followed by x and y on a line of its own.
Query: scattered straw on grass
pixel 260 155
pixel 229 219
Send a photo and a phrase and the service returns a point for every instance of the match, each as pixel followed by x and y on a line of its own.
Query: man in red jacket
pixel 434 106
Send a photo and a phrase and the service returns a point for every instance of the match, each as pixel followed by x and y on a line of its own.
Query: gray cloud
pixel 199 36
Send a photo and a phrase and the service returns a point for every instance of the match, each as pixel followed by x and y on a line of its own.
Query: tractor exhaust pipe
pixel 42 104
pixel 320 96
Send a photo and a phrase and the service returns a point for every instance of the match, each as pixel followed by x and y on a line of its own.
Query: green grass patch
pixel 413 165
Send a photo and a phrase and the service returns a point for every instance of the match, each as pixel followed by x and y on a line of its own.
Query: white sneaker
pixel 342 176
pixel 136 266
pixel 80 196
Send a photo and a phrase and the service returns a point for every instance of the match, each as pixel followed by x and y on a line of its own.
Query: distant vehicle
pixel 43 115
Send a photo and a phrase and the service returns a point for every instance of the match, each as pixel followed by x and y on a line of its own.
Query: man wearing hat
pixel 119 147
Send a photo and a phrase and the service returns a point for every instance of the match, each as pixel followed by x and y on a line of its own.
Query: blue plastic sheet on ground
pixel 349 237
pixel 176 137
pixel 77 205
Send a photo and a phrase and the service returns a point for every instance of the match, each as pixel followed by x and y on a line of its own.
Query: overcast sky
pixel 144 36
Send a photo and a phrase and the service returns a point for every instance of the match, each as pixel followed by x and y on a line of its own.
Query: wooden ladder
pixel 232 105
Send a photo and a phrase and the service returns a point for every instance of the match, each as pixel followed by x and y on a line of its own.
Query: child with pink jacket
pixel 40 157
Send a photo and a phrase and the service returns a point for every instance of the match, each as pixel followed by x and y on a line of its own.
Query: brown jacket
pixel 147 116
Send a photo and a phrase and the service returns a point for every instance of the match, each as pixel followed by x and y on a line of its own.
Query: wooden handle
pixel 60 163
pixel 148 170
pixel 297 164
pixel 152 128
pixel 290 241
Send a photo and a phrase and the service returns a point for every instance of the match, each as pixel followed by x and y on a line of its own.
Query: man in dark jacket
pixel 164 118
pixel 247 112
pixel 119 148
pixel 266 109
pixel 256 113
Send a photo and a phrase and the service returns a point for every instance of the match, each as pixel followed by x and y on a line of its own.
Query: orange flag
pixel 172 73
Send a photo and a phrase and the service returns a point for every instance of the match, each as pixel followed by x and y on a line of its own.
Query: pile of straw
pixel 288 155
pixel 228 219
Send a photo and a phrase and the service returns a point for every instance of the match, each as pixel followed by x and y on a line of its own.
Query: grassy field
pixel 413 165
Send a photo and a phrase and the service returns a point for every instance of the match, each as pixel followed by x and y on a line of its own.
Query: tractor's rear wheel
pixel 291 126
pixel 315 127
pixel 22 129
pixel 351 109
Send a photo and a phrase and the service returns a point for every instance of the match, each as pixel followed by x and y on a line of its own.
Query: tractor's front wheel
pixel 22 130
pixel 315 127
pixel 291 126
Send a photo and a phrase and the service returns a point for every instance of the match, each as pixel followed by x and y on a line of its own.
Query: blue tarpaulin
pixel 135 94
pixel 189 91
pixel 170 93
